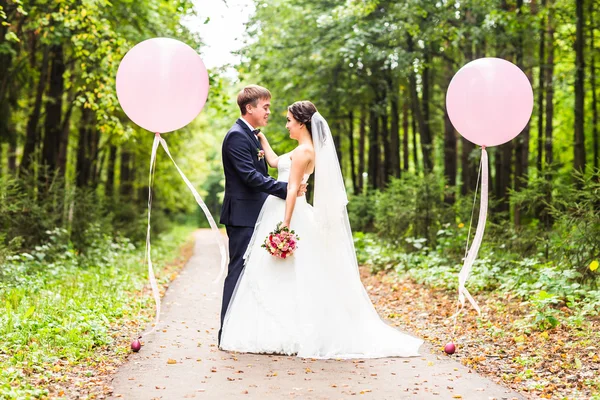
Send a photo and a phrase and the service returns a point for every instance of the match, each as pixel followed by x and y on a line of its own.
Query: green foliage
pixel 58 304
pixel 547 264
pixel 83 216
pixel 570 223
pixel 411 206
pixel 361 211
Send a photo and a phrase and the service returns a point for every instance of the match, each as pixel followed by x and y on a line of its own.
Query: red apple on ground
pixel 136 345
pixel 450 348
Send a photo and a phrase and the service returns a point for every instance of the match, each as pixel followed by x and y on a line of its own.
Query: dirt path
pixel 180 360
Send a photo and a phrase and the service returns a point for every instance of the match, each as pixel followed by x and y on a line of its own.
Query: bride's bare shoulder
pixel 304 151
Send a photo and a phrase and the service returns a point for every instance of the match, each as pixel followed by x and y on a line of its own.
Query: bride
pixel 312 304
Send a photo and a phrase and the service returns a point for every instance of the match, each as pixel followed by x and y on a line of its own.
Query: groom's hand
pixel 302 189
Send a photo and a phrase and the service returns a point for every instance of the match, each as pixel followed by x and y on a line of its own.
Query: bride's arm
pixel 270 155
pixel 300 159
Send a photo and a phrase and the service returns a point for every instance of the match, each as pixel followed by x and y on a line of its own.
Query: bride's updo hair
pixel 303 112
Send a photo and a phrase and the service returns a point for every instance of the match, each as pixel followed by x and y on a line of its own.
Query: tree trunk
pixel 337 141
pixel 420 124
pixel 96 160
pixel 549 76
pixel 541 92
pixel 374 156
pixel 84 156
pixel 99 162
pixel 31 136
pixel 593 83
pixel 52 125
pixel 468 171
pixel 361 148
pixel 450 164
pixel 4 130
pixel 449 156
pixel 426 138
pixel 6 57
pixel 395 135
pixel 522 142
pixel 110 173
pixel 579 149
pixel 504 165
pixel 12 154
pixel 126 186
pixel 418 119
pixel 63 150
pixel 386 165
pixel 11 133
pixel 414 139
pixel 405 138
pixel 352 154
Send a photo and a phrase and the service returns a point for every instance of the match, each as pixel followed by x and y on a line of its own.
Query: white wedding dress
pixel 312 304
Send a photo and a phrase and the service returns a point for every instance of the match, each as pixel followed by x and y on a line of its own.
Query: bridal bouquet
pixel 281 242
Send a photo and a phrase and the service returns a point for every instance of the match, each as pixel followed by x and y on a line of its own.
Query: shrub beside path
pixel 181 360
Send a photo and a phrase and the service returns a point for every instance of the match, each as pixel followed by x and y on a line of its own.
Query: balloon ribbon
pixel 472 253
pixel 159 140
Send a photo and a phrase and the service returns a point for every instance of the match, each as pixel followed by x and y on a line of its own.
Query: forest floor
pixel 496 357
pixel 181 360
pixel 559 363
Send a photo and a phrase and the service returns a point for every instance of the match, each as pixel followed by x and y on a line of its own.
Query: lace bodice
pixel 283 169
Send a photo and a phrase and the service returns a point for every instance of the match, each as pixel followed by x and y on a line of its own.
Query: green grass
pixel 60 308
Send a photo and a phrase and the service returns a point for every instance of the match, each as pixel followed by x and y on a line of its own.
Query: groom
pixel 247 182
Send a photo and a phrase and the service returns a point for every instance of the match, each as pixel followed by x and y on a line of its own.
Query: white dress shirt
pixel 249 126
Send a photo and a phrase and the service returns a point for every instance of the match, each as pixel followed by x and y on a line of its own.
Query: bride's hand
pixel 285 224
pixel 260 135
pixel 302 189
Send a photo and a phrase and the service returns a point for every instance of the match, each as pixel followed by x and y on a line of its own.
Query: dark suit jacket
pixel 247 181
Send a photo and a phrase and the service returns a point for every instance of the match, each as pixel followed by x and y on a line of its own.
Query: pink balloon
pixel 489 101
pixel 162 84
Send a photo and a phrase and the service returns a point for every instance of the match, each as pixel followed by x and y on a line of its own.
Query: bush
pixel 361 212
pixel 30 207
pixel 412 206
pixel 568 232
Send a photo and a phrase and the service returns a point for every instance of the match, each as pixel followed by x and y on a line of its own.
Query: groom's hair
pixel 250 95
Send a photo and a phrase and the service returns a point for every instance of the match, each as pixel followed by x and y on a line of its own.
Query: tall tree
pixel 352 154
pixel 52 125
pixel 405 137
pixel 426 137
pixel 541 90
pixel 579 139
pixel 595 138
pixel 362 131
pixel 450 149
pixel 374 154
pixel 32 135
pixel 394 133
pixel 522 142
pixel 384 146
pixel 110 172
pixel 549 84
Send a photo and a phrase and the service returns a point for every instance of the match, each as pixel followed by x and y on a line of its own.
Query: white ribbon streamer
pixel 209 217
pixel 472 254
pixel 159 140
pixel 151 276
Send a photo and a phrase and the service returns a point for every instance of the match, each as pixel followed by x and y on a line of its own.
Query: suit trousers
pixel 239 238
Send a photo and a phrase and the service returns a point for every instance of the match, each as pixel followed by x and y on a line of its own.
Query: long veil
pixel 330 198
